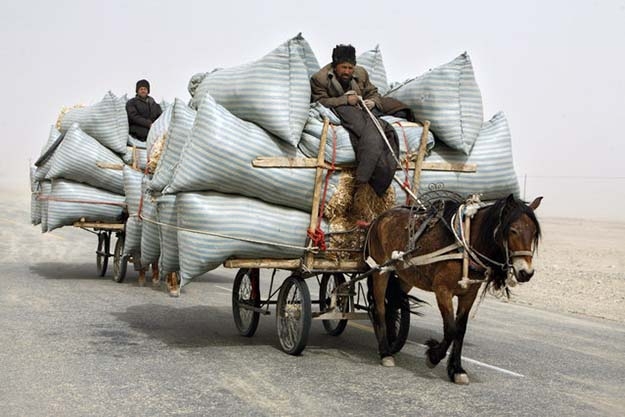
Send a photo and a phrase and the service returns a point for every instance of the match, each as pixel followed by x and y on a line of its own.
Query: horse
pixel 495 249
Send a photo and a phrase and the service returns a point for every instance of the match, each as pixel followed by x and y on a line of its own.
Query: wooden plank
pixel 285 162
pixel 416 178
pixel 314 213
pixel 295 264
pixel 108 165
pixel 97 225
pixel 264 263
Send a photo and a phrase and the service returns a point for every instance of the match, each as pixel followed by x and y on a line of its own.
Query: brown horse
pixel 499 243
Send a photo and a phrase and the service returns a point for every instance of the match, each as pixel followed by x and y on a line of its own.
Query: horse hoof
pixel 429 363
pixel 388 361
pixel 461 379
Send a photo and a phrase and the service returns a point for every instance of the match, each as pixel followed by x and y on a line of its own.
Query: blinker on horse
pixel 495 249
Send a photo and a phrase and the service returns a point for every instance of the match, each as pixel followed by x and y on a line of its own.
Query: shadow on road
pixel 62 270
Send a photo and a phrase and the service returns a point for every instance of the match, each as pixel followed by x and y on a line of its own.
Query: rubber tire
pixel 102 253
pixel 246 326
pixel 332 327
pixel 120 262
pixel 293 345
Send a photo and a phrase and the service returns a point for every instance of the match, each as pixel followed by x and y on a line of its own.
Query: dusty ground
pixel 580 268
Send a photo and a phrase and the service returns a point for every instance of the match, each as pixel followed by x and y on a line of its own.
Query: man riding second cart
pixel 142 111
pixel 345 87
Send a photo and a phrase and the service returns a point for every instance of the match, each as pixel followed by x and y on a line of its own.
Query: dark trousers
pixel 376 164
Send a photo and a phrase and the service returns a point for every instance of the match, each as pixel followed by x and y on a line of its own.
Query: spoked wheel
pixel 397 323
pixel 245 294
pixel 102 253
pixel 293 315
pixel 119 260
pixel 329 283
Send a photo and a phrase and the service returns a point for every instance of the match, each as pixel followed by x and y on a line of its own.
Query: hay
pixel 64 111
pixel 345 211
pixel 155 153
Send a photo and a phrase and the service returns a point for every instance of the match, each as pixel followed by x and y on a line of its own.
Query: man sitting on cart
pixel 345 87
pixel 142 111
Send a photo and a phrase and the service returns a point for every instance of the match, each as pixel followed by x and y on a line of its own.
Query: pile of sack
pixel 200 201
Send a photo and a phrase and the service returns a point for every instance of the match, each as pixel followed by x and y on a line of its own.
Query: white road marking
pixel 370 330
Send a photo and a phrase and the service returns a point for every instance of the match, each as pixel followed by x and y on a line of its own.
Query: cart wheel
pixel 329 283
pixel 102 253
pixel 293 315
pixel 397 324
pixel 119 260
pixel 246 292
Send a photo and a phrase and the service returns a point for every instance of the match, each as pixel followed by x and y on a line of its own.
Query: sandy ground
pixel 580 268
pixel 580 264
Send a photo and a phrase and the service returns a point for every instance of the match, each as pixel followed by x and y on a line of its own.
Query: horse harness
pixel 461 249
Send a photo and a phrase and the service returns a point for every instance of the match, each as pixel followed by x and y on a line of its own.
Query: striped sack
pixel 492 153
pixel 138 154
pixel 273 92
pixel 218 157
pixel 44 166
pixel 70 201
pixel 167 216
pixel 107 121
pixel 182 119
pixel 159 128
pixel 371 60
pixel 150 235
pixel 132 191
pixel 46 190
pixel 77 157
pixel 247 228
pixel 450 99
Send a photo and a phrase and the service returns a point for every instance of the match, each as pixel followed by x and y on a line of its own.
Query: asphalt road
pixel 74 344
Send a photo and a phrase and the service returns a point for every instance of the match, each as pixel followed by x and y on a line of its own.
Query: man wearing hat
pixel 142 111
pixel 340 86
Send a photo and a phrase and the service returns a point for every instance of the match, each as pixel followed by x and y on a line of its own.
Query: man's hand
pixel 370 104
pixel 352 99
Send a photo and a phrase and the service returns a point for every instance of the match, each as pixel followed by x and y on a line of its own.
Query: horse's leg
pixel 141 280
pixel 155 278
pixel 454 365
pixel 380 282
pixel 437 350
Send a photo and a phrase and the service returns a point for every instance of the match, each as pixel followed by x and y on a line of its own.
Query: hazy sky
pixel 556 68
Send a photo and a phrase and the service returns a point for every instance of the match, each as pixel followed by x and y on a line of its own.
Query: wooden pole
pixel 416 178
pixel 314 214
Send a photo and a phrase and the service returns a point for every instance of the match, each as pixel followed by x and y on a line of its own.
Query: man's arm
pixel 319 93
pixel 134 117
pixel 370 92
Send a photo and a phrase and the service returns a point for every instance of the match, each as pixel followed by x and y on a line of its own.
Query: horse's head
pixel 519 233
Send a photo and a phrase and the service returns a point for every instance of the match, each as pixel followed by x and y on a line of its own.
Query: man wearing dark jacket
pixel 338 86
pixel 142 111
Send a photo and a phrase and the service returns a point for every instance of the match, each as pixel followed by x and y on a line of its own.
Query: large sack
pixel 449 97
pixel 273 92
pixel 492 153
pixel 70 202
pixel 167 217
pixel 107 121
pixel 150 235
pixel 247 228
pixel 339 146
pixel 46 190
pixel 76 159
pixel 181 122
pixel 35 203
pixel 43 164
pixel 371 60
pixel 218 157
pixel 159 128
pixel 132 192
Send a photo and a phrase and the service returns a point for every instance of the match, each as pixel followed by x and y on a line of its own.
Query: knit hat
pixel 343 53
pixel 142 83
